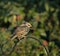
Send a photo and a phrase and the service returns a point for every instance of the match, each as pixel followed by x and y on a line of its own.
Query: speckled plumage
pixel 21 31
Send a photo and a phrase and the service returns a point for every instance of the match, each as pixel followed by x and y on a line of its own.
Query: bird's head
pixel 26 24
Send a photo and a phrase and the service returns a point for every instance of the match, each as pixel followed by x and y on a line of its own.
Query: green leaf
pixel 47 6
pixel 5 19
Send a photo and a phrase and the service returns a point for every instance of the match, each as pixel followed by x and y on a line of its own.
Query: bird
pixel 21 31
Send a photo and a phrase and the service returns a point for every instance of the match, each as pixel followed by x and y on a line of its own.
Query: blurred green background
pixel 44 15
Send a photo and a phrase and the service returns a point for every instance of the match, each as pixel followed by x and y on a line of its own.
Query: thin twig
pixel 47 51
pixel 13 48
pixel 29 36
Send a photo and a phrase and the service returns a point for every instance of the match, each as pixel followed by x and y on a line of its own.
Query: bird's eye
pixel 28 25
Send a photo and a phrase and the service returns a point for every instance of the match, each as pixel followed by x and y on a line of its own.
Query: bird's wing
pixel 21 31
pixel 16 33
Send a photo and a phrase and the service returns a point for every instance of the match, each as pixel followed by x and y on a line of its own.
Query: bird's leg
pixel 25 38
pixel 19 37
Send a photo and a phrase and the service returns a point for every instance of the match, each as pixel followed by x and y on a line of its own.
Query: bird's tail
pixel 13 36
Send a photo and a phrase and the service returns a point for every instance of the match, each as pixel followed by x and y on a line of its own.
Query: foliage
pixel 44 15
